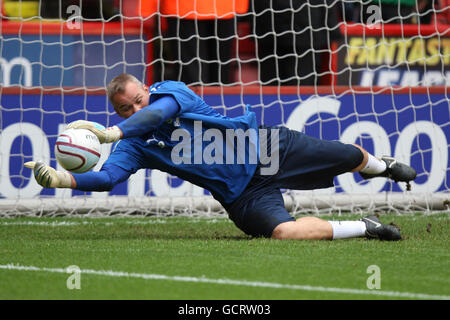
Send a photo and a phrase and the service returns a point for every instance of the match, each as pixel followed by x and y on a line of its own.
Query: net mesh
pixel 374 73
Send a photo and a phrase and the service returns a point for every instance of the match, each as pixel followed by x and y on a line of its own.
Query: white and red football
pixel 77 150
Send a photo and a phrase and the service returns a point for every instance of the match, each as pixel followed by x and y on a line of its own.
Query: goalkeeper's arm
pixel 145 120
pixel 103 180
pixel 149 118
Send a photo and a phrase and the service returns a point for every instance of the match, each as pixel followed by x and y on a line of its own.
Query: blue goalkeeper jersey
pixel 198 145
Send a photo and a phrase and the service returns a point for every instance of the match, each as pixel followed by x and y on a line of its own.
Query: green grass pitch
pixel 199 258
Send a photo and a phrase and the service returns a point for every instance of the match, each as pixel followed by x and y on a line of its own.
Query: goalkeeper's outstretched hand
pixel 48 177
pixel 104 135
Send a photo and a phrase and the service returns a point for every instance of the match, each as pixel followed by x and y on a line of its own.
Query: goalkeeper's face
pixel 134 98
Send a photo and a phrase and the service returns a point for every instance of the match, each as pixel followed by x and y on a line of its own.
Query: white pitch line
pixel 43 223
pixel 97 222
pixel 146 276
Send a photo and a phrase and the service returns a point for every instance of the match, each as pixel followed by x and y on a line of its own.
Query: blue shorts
pixel 305 163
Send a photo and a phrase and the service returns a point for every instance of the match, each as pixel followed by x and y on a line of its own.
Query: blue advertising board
pixel 70 60
pixel 413 127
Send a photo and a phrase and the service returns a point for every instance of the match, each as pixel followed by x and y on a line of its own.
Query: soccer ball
pixel 77 150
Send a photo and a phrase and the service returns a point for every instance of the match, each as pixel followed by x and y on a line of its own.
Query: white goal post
pixel 206 206
pixel 354 75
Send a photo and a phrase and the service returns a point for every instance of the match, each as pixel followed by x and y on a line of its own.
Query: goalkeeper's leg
pixel 372 167
pixel 314 228
pixel 260 212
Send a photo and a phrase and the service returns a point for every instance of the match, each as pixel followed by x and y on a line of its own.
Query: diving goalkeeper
pixel 168 127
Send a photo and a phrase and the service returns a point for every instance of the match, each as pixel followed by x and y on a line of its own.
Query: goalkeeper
pixel 252 199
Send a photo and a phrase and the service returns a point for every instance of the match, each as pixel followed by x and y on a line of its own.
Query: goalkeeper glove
pixel 104 135
pixel 48 177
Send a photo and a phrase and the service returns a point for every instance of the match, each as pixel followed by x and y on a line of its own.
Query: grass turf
pixel 216 249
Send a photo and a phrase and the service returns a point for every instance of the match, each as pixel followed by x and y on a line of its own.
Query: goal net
pixel 361 72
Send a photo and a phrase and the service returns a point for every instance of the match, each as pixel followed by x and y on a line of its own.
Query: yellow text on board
pixel 393 51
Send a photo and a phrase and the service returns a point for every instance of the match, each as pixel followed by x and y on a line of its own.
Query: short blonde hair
pixel 117 85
